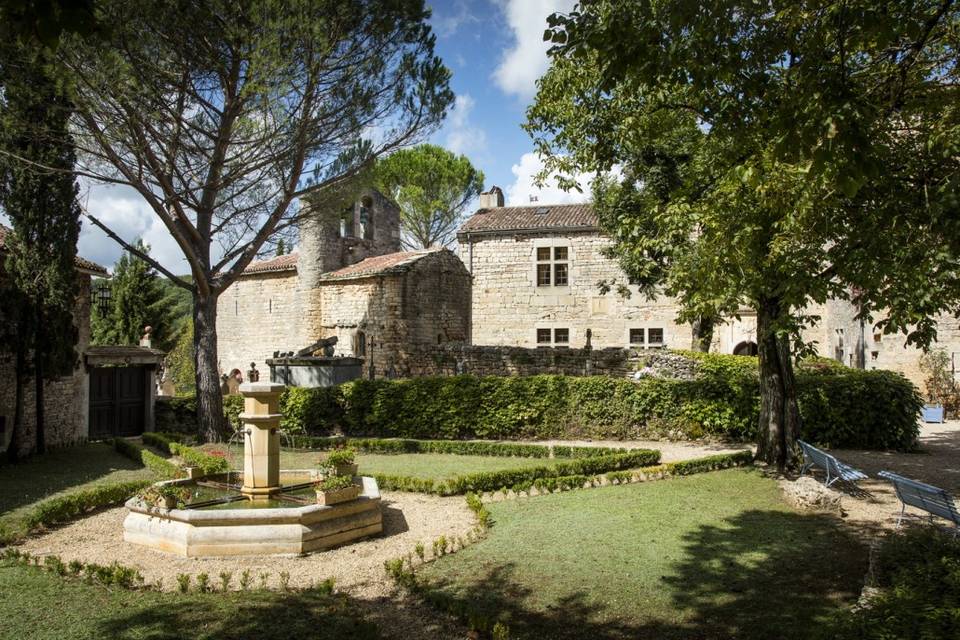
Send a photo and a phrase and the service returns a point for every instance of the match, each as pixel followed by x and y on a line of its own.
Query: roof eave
pixel 524 230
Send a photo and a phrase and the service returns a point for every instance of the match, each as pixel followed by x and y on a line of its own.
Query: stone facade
pixel 381 303
pixel 66 400
pixel 509 308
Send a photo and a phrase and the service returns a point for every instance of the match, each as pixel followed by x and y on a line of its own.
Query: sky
pixel 495 51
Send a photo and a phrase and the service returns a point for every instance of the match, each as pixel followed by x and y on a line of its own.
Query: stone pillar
pixel 261 441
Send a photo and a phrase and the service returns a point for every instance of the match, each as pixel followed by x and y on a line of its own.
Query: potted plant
pixel 335 489
pixel 342 462
pixel 167 496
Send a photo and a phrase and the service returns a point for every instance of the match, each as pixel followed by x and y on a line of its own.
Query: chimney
pixel 491 199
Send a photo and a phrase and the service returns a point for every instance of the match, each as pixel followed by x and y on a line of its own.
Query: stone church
pixel 349 279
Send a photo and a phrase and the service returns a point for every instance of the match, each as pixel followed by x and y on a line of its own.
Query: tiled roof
pixel 286 262
pixel 81 263
pixel 378 265
pixel 531 218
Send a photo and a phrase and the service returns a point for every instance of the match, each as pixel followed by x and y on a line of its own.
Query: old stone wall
pixel 508 306
pixel 259 314
pixel 66 403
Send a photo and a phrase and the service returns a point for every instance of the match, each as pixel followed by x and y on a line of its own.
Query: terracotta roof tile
pixel 286 262
pixel 531 218
pixel 379 265
pixel 81 263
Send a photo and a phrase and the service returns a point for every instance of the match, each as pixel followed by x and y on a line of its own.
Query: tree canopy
pixel 223 114
pixel 433 188
pixel 774 155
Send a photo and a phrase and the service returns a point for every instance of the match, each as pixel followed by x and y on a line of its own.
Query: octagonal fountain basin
pixel 218 520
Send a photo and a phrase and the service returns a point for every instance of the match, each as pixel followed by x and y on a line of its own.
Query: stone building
pixel 66 398
pixel 536 270
pixel 348 279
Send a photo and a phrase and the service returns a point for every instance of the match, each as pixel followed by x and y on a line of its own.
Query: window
pixel 346 223
pixel 878 337
pixel 646 337
pixel 366 218
pixel 360 344
pixel 553 267
pixel 553 337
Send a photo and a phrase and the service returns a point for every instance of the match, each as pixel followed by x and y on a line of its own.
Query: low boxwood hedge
pixel 455 447
pixel 160 466
pixel 72 505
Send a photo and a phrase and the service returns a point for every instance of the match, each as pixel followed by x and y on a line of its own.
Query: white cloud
pixel 126 213
pixel 461 135
pixel 447 24
pixel 523 187
pixel 526 60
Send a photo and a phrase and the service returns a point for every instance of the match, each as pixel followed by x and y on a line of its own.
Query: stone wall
pixel 259 314
pixel 508 307
pixel 66 403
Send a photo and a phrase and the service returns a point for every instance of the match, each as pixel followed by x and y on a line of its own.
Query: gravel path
pixel 357 568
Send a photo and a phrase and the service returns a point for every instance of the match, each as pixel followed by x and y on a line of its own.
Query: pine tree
pixel 138 298
pixel 281 247
pixel 38 193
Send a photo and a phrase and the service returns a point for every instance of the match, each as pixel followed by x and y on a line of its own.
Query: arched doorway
pixel 745 348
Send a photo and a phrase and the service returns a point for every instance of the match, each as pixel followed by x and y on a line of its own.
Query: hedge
pixel 840 407
pixel 455 447
pixel 160 466
pixel 179 413
pixel 68 507
pixel 485 481
pixel 196 458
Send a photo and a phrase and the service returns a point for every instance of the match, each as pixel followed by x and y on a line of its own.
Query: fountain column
pixel 261 440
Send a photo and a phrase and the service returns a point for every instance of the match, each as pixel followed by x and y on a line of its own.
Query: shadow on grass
pixel 39 477
pixel 760 574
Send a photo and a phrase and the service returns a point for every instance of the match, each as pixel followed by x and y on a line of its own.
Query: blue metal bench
pixel 835 469
pixel 934 500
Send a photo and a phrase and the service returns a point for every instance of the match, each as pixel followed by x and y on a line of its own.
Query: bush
pixel 179 413
pixel 163 468
pixel 918 573
pixel 64 508
pixel 840 407
pixel 455 447
pixel 209 464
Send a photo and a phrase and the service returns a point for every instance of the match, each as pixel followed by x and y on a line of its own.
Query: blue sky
pixel 495 51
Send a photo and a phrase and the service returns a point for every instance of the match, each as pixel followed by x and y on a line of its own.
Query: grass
pixel 35 605
pixel 436 466
pixel 717 555
pixel 59 472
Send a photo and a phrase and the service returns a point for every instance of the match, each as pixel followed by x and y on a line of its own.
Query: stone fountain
pixel 263 511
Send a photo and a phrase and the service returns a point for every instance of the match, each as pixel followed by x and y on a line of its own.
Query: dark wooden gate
pixel 117 401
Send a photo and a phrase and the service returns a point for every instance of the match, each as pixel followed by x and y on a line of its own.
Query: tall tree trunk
pixel 13 449
pixel 702 329
pixel 779 412
pixel 210 419
pixel 39 350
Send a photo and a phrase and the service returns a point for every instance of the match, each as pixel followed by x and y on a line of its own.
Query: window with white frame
pixel 553 337
pixel 553 267
pixel 646 337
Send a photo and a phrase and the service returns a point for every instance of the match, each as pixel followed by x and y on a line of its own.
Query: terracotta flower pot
pixel 337 496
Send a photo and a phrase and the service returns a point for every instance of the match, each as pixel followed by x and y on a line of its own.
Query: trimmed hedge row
pixel 160 466
pixel 68 507
pixel 196 458
pixel 455 447
pixel 485 481
pixel 840 407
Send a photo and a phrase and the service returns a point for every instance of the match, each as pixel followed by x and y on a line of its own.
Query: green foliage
pixel 138 298
pixel 179 363
pixel 177 414
pixel 334 483
pixel 311 410
pixel 161 440
pixel 64 508
pixel 339 457
pixel 839 407
pixel 918 573
pixel 232 408
pixel 160 466
pixel 433 188
pixel 456 447
pixel 209 464
pixel 940 386
pixel 479 509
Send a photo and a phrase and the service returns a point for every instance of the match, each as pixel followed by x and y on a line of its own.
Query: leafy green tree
pixel 224 114
pixel 138 298
pixel 775 155
pixel 38 193
pixel 432 187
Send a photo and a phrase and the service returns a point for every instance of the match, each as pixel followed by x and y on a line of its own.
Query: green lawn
pixel 35 605
pixel 60 471
pixel 717 555
pixel 437 466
